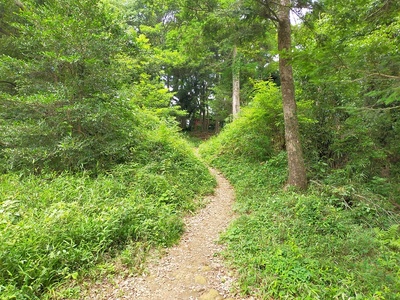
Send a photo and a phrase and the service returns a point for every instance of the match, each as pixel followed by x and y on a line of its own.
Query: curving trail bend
pixel 190 270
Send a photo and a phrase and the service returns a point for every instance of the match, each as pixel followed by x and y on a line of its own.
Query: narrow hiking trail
pixel 190 270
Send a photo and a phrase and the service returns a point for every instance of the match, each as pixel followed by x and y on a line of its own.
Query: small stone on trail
pixel 206 268
pixel 200 279
pixel 211 295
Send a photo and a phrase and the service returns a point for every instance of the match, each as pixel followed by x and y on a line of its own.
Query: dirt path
pixel 190 270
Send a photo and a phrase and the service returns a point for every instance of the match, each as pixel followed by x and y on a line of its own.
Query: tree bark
pixel 297 170
pixel 236 83
pixel 19 4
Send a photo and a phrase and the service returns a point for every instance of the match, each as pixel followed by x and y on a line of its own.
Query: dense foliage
pixel 71 108
pixel 347 62
pixel 339 240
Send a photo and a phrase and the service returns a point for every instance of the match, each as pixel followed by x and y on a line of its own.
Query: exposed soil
pixel 203 135
pixel 190 270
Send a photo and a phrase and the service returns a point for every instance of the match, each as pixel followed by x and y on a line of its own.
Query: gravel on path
pixel 190 270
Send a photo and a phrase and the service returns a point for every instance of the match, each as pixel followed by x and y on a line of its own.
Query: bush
pixel 258 129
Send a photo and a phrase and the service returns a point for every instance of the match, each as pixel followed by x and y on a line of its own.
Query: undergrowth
pixel 58 226
pixel 317 245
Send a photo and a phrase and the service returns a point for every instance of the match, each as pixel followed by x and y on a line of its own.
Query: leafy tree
pixel 70 61
pixel 279 13
pixel 347 62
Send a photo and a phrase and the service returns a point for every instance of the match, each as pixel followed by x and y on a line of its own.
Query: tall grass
pixel 55 227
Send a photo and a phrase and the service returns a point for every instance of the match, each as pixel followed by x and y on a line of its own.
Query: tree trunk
pixel 297 170
pixel 204 120
pixel 217 126
pixel 236 83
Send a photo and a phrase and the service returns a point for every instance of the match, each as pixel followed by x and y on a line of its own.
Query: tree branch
pixel 8 82
pixel 384 75
pixel 375 74
pixel 370 108
pixel 270 13
pixel 19 4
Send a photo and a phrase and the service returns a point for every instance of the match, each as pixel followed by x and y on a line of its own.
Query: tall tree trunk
pixel 236 83
pixel 204 120
pixel 297 170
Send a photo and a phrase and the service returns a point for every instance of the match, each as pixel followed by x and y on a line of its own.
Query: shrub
pixel 258 129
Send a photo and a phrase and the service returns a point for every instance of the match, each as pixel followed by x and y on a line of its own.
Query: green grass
pixel 57 227
pixel 332 242
pixel 196 138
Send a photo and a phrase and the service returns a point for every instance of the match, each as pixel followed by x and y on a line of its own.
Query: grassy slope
pixel 55 227
pixel 333 242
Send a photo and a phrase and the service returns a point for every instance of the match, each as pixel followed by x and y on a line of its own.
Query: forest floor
pixel 193 269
